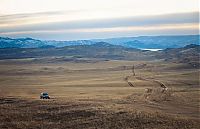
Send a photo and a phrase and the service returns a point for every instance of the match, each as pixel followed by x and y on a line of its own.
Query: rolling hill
pixel 189 54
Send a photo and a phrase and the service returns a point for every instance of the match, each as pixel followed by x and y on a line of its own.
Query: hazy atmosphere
pixel 89 19
pixel 99 64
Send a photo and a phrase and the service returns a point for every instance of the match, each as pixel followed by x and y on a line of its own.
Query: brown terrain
pixel 112 94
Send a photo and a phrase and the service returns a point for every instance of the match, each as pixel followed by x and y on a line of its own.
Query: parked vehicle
pixel 44 95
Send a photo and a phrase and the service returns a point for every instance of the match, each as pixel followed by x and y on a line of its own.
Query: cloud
pixel 13 18
pixel 113 29
pixel 151 24
pixel 60 35
pixel 179 18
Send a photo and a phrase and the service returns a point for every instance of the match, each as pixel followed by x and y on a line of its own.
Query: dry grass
pixel 95 95
pixel 17 113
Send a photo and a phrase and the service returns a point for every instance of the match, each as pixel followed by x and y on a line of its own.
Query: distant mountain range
pixel 153 42
pixel 141 42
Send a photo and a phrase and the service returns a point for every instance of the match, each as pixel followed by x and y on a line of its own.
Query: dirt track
pixel 127 79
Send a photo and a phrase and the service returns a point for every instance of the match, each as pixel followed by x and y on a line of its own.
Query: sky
pixel 90 19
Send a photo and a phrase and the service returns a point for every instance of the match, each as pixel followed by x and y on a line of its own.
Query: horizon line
pixel 165 35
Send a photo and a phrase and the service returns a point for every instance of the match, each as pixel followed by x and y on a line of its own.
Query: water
pixel 152 49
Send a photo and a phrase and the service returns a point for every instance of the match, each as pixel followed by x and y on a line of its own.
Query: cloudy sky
pixel 89 19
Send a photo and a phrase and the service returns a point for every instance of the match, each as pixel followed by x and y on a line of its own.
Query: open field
pixel 95 94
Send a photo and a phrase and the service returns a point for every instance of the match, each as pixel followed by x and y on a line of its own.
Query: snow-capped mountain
pixel 142 42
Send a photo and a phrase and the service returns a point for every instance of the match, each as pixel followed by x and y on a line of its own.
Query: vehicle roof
pixel 44 93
